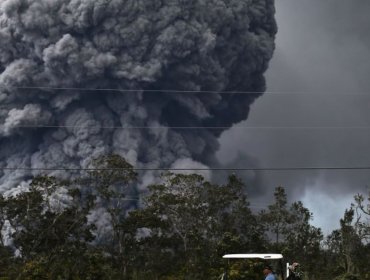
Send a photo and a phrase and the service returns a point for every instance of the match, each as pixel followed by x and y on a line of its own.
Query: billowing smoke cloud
pixel 192 45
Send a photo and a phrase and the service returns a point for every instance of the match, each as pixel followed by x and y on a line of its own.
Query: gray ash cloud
pixel 203 45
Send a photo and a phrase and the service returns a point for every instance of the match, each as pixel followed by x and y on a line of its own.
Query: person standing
pixel 268 273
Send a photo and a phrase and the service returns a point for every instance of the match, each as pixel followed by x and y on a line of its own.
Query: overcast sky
pixel 321 66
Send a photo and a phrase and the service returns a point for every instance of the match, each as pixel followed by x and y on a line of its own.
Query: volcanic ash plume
pixel 140 45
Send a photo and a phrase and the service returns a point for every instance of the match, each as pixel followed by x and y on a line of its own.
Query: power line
pixel 185 169
pixel 140 90
pixel 186 91
pixel 195 127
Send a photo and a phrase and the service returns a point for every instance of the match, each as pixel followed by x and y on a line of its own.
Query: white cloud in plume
pixel 190 166
pixel 326 205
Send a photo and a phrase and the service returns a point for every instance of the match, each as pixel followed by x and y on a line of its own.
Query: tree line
pixel 90 228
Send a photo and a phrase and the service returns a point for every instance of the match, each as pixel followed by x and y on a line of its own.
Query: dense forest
pixel 95 227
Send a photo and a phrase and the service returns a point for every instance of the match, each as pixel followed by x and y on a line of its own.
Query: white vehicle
pixel 254 256
pixel 224 276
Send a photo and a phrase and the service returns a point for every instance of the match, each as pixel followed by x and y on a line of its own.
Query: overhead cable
pixel 194 127
pixel 188 169
pixel 176 91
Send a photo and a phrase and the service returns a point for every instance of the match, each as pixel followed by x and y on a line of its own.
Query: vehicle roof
pixel 253 256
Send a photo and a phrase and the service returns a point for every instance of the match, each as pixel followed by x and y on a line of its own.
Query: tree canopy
pixel 88 228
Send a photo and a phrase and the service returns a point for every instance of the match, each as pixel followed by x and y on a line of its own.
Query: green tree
pixel 194 223
pixel 50 230
pixel 40 224
pixel 348 247
pixel 302 240
pixel 290 232
pixel 362 210
pixel 277 217
pixel 110 179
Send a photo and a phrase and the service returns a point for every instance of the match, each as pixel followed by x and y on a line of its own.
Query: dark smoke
pixel 212 45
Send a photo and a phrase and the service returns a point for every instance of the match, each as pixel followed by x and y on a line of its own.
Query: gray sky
pixel 322 60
